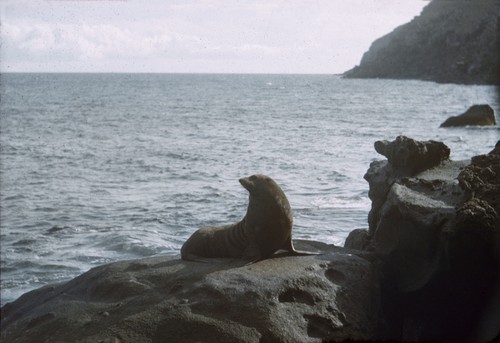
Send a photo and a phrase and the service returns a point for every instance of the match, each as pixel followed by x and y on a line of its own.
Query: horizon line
pixel 173 73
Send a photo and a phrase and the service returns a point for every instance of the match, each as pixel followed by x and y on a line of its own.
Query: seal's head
pixel 260 184
pixel 265 190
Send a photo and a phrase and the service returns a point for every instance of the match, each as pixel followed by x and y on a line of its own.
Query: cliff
pixel 450 42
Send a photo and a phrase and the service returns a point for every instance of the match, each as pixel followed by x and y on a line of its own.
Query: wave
pixel 357 202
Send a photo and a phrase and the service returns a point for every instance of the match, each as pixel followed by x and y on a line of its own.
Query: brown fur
pixel 265 229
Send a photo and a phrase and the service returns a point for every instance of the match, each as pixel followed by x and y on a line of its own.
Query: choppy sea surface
pixel 97 168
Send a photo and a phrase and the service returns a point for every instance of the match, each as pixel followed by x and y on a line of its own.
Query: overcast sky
pixel 215 36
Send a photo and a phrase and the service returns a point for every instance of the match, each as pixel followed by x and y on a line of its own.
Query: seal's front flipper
pixel 252 252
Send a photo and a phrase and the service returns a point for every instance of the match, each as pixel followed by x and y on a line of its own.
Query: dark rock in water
pixel 437 233
pixel 329 297
pixel 358 239
pixel 56 228
pixel 408 156
pixel 476 115
pixel 450 42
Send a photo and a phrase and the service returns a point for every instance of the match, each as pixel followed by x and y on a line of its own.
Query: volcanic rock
pixel 329 297
pixel 408 156
pixel 482 115
pixel 437 233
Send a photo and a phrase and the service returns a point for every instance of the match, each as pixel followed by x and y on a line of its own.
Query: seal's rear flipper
pixel 253 261
pixel 195 258
pixel 284 253
pixel 202 259
pixel 303 253
pixel 292 252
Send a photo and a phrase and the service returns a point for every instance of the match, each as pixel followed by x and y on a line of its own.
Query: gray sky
pixel 215 36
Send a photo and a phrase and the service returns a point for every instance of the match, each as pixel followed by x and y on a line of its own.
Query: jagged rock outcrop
pixel 482 115
pixel 437 232
pixel 407 156
pixel 334 296
pixel 450 42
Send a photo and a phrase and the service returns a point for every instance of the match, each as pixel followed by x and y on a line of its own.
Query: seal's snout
pixel 245 182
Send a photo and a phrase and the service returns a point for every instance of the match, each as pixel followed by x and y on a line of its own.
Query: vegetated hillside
pixel 452 41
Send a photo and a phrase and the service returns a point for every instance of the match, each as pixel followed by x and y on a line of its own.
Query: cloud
pixel 257 35
pixel 98 42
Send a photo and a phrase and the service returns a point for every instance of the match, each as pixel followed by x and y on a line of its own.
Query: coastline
pixel 377 287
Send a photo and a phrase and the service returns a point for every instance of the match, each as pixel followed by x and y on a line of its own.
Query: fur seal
pixel 265 229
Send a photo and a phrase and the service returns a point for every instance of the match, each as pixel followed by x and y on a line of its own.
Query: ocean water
pixel 97 168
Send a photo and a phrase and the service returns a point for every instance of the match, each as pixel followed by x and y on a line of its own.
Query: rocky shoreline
pixel 427 268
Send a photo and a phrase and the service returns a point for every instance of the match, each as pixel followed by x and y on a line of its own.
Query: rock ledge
pixel 334 296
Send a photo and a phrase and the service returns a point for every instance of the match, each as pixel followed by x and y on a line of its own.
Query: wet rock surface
pixel 333 296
